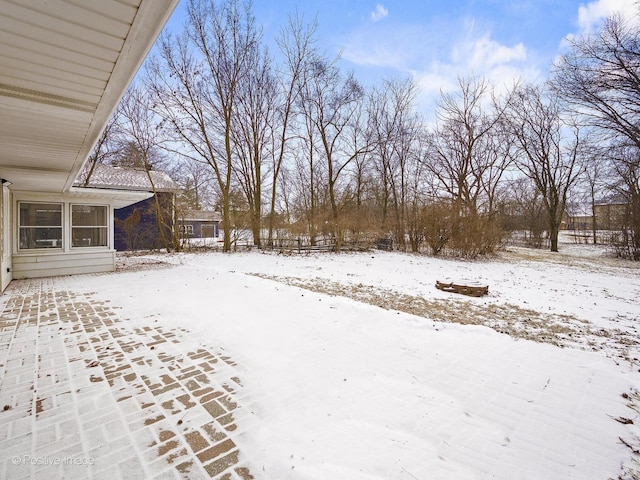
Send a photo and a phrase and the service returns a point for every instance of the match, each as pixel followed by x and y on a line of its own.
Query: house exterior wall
pixel 610 216
pixel 200 228
pixel 65 258
pixel 136 226
pixel 67 263
pixel 5 236
pixel 579 222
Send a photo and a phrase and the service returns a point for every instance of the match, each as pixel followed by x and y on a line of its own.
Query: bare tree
pixel 395 131
pixel 599 77
pixel 140 129
pixel 523 212
pixel 626 166
pixel 547 149
pixel 593 181
pixel 252 132
pixel 331 105
pixel 196 83
pixel 195 181
pixel 309 175
pixel 296 43
pixel 103 151
pixel 467 156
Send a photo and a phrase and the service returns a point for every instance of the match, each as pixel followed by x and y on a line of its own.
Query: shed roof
pixel 200 216
pixel 613 199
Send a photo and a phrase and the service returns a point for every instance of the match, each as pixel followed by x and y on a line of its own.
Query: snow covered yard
pixel 358 368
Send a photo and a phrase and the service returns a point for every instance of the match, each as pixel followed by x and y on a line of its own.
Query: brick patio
pixel 85 393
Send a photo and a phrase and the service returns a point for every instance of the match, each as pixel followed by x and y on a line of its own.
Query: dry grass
pixel 131 262
pixel 567 259
pixel 631 469
pixel 513 320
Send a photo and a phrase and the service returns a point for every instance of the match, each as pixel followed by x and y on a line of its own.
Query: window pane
pixel 88 216
pixel 89 237
pixel 33 237
pixel 89 226
pixel 40 225
pixel 40 215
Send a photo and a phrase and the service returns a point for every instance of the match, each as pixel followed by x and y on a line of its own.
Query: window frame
pixel 105 227
pixel 186 230
pixel 21 227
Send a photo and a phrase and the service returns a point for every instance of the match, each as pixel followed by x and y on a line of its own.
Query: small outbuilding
pixel 199 224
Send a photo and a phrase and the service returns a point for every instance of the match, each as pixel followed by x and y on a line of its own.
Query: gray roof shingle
pixel 125 178
pixel 200 216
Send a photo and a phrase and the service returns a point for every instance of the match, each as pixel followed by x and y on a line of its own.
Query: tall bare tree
pixel 395 131
pixel 593 182
pixel 296 43
pixel 547 149
pixel 331 105
pixel 253 130
pixel 141 133
pixel 309 180
pixel 465 155
pixel 468 153
pixel 600 78
pixel 196 82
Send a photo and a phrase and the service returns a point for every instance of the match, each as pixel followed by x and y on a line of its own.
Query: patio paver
pixel 85 393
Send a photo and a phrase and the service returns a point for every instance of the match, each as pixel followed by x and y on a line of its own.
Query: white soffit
pixel 64 65
pixel 119 198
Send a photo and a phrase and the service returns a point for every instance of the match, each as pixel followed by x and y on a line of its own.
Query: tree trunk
pixel 226 224
pixel 159 213
pixel 594 227
pixel 554 230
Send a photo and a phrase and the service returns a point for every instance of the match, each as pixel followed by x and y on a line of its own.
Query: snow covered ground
pixel 358 368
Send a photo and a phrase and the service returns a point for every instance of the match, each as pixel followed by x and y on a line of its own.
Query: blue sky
pixel 437 40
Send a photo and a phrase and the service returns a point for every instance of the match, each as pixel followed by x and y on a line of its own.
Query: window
pixel 186 230
pixel 89 227
pixel 40 225
pixel 208 230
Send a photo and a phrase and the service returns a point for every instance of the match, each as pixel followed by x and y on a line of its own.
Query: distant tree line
pixel 293 145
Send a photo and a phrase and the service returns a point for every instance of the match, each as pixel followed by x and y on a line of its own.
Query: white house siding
pixel 69 263
pixel 5 245
pixel 66 260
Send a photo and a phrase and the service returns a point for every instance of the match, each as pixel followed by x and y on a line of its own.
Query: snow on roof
pixel 124 178
pixel 614 199
pixel 200 216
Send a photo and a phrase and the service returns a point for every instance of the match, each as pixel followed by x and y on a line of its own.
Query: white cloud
pixel 482 56
pixel 483 53
pixel 379 13
pixel 591 14
pixel 436 62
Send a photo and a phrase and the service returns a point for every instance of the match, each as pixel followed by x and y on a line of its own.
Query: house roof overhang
pixel 63 68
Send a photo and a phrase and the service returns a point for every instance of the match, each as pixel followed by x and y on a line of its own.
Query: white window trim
pixel 63 240
pixel 71 226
